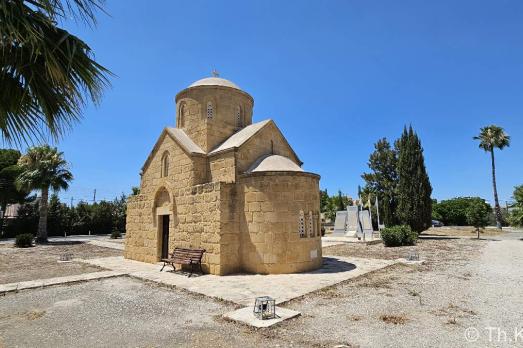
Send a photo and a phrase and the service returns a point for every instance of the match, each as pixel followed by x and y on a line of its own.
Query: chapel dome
pixel 274 163
pixel 215 81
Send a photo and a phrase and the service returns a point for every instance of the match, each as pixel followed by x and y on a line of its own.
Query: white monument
pixel 365 228
pixel 353 222
pixel 340 224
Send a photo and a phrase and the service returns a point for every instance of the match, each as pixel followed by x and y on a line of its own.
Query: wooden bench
pixel 185 256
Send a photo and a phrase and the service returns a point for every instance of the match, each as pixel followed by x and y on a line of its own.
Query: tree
pixel 490 138
pixel 340 202
pixel 120 213
pixel 383 179
pixel 58 222
pixel 454 211
pixel 414 190
pixel 47 74
pixel 324 200
pixel 8 172
pixel 477 214
pixel 43 168
pixel 516 215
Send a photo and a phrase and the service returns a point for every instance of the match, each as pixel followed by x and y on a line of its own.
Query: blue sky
pixel 335 76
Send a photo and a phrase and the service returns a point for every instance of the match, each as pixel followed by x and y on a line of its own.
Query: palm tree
pixel 42 168
pixel 47 74
pixel 491 137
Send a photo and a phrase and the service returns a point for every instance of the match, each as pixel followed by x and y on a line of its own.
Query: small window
pixel 210 110
pixel 239 118
pixel 301 225
pixel 181 115
pixel 311 225
pixel 165 165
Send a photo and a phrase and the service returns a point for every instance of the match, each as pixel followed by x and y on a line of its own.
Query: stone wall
pixel 210 132
pixel 222 167
pixel 202 216
pixel 140 239
pixel 183 171
pixel 198 222
pixel 270 222
pixel 230 247
pixel 260 144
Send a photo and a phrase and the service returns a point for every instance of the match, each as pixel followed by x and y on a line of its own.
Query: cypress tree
pixel 414 189
pixel 340 205
pixel 383 179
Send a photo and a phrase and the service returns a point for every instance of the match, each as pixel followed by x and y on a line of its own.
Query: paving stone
pixel 56 281
pixel 244 288
pixel 246 316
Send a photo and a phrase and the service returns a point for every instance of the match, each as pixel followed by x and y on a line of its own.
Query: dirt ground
pixel 462 231
pixel 41 261
pixel 464 283
pixel 428 248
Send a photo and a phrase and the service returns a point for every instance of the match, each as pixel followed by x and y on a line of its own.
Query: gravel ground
pixel 463 283
pixel 464 231
pixel 41 261
pixel 428 249
pixel 118 312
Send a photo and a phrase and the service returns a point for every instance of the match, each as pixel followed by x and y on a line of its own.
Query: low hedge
pixel 398 236
pixel 24 240
pixel 116 234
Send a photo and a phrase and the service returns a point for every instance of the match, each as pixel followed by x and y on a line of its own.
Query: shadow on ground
pixel 436 237
pixel 333 265
pixel 72 242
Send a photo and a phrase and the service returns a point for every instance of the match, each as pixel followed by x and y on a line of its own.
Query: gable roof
pixel 181 139
pixel 184 141
pixel 245 134
pixel 240 137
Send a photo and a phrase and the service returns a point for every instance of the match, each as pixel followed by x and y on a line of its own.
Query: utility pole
pixel 72 199
pixel 94 196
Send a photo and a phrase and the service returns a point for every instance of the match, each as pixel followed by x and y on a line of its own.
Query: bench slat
pixel 185 256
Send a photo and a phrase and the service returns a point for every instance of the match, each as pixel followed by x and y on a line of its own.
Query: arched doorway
pixel 162 212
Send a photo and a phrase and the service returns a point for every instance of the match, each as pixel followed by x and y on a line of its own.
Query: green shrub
pixel 398 236
pixel 24 240
pixel 116 234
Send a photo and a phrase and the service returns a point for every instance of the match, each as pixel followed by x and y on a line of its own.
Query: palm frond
pixel 44 167
pixel 491 137
pixel 48 75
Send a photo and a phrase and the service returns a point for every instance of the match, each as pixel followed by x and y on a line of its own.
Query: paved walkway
pixel 328 241
pixel 107 244
pixel 99 240
pixel 32 284
pixel 243 288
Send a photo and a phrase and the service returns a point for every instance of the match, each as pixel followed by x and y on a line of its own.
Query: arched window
pixel 181 114
pixel 165 165
pixel 301 225
pixel 210 110
pixel 239 117
pixel 311 225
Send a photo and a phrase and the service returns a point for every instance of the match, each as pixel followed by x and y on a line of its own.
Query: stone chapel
pixel 220 182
